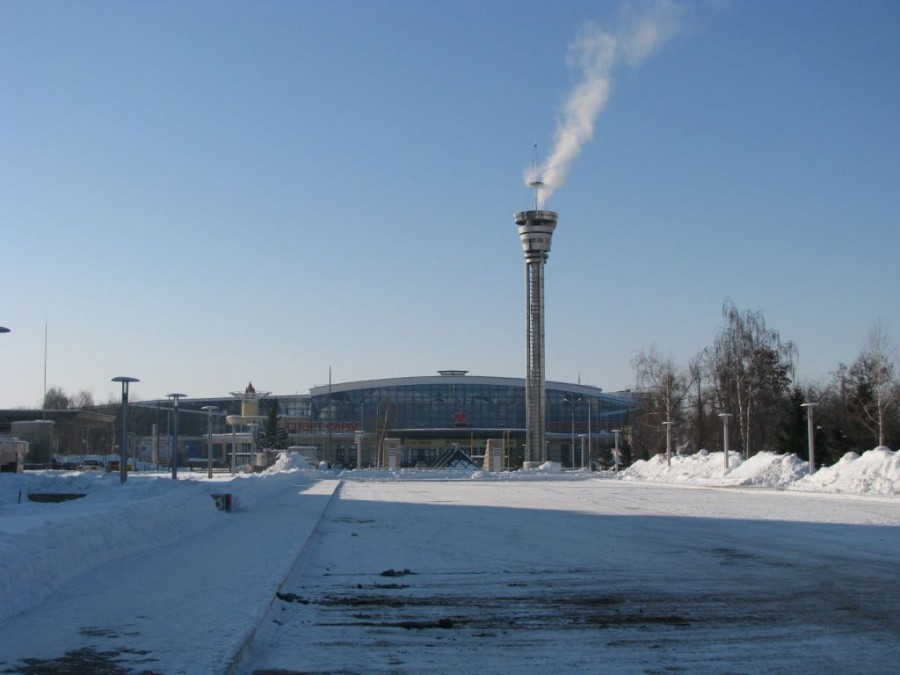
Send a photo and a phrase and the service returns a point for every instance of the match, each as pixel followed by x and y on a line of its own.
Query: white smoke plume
pixel 643 28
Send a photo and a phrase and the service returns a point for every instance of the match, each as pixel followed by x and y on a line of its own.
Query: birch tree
pixel 662 388
pixel 873 386
pixel 751 368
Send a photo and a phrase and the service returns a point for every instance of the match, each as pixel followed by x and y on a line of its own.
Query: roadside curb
pixel 234 663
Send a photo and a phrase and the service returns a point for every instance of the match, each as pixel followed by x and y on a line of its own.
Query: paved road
pixel 593 576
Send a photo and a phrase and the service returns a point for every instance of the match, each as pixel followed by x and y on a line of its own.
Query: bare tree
pixel 751 369
pixel 662 389
pixel 83 399
pixel 697 368
pixel 56 399
pixel 873 386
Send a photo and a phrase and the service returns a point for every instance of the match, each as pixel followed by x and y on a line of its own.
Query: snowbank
pixel 287 461
pixel 874 472
pixel 43 546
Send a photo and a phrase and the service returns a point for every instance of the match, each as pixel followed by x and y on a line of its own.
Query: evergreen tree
pixel 276 438
pixel 794 436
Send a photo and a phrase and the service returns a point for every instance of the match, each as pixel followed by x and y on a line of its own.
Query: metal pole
pixel 616 450
pixel 589 435
pixel 175 398
pixel 210 409
pixel 156 441
pixel 725 417
pixel 810 431
pixel 233 448
pixel 668 426
pixel 123 443
pixel 573 436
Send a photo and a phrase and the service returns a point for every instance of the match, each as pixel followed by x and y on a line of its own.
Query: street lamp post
pixel 174 457
pixel 583 437
pixel 810 431
pixel 616 450
pixel 210 409
pixel 123 443
pixel 725 417
pixel 572 401
pixel 358 437
pixel 668 426
pixel 590 449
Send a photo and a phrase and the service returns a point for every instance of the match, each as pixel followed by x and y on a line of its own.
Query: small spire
pixel 536 184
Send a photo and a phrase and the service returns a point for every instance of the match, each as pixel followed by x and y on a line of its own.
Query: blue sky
pixel 200 194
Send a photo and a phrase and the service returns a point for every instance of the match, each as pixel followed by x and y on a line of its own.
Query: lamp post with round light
pixel 123 443
pixel 210 409
pixel 174 457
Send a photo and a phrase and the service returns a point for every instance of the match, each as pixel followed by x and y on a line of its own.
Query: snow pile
pixel 769 469
pixel 704 468
pixel 876 471
pixel 290 461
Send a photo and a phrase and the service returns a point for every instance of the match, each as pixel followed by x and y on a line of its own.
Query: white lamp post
pixel 210 409
pixel 668 426
pixel 810 431
pixel 174 458
pixel 123 443
pixel 725 417
pixel 358 437
pixel 616 450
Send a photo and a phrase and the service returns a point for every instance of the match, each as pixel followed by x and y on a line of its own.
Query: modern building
pixel 429 415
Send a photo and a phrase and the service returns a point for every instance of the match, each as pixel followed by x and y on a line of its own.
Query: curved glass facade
pixel 431 415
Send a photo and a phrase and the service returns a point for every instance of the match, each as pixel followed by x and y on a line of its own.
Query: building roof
pixel 86 418
pixel 325 389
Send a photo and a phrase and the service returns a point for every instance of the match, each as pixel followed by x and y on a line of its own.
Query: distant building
pixel 431 415
pixel 49 432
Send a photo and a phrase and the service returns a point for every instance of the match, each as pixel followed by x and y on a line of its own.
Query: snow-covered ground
pixel 657 567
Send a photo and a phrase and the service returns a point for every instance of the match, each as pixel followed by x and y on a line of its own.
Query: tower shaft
pixel 535 398
pixel 535 232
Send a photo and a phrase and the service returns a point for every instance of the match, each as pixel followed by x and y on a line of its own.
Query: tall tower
pixel 535 230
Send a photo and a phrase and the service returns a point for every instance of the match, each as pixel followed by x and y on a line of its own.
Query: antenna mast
pixel 537 184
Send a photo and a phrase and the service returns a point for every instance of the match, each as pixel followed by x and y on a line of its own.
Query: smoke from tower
pixel 643 28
